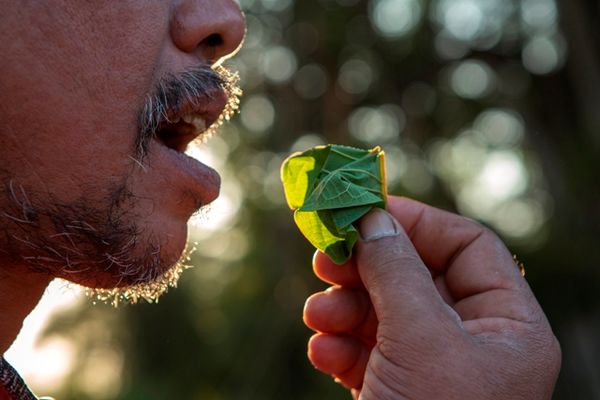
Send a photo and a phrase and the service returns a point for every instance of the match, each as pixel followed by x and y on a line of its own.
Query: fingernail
pixel 377 224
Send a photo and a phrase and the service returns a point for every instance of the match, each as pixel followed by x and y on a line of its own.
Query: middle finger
pixel 341 310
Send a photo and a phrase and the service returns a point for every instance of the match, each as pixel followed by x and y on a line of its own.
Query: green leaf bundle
pixel 329 188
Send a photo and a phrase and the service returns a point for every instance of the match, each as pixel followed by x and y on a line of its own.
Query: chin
pixel 145 259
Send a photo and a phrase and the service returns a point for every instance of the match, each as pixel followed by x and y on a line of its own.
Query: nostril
pixel 214 40
pixel 212 29
pixel 211 46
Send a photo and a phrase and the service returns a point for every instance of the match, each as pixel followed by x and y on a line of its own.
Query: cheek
pixel 74 89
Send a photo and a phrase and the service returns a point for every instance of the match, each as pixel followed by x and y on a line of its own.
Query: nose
pixel 213 29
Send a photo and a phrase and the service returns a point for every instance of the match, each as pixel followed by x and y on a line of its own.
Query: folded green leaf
pixel 330 188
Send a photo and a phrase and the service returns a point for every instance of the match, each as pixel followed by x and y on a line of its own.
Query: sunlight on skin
pixel 221 212
pixel 54 356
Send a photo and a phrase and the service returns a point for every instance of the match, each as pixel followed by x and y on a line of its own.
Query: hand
pixel 432 306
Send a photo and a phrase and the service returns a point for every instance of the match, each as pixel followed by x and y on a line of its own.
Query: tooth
pixel 188 118
pixel 199 123
pixel 174 120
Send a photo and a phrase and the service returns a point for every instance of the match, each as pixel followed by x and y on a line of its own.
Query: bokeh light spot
pixel 543 55
pixel 396 165
pixel 258 113
pixel 464 19
pixel 355 76
pixel 102 374
pixel 519 217
pixel 395 18
pixel 539 14
pixel 500 127
pixel 278 64
pixel 503 176
pixel 306 142
pixel 472 79
pixel 377 125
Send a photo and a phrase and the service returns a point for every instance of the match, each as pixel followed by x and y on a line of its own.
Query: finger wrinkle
pixel 353 378
pixel 411 232
pixel 365 307
pixel 464 245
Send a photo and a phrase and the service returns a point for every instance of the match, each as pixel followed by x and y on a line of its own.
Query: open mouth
pixel 196 120
pixel 193 113
pixel 182 131
pixel 181 112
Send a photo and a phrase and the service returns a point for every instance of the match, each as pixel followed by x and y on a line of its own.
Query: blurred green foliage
pixel 486 107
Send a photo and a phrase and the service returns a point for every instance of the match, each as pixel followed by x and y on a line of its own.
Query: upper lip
pixel 191 119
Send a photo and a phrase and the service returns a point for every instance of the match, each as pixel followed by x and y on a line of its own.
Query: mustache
pixel 172 93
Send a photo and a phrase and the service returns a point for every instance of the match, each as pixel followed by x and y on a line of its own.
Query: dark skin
pixel 433 309
pixel 19 296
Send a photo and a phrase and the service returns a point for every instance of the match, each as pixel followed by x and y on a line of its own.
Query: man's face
pixel 94 185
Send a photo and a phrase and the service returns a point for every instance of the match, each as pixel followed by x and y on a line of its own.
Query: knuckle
pixel 481 232
pixel 543 346
pixel 388 253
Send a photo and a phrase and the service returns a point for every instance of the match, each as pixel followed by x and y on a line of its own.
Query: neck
pixel 20 291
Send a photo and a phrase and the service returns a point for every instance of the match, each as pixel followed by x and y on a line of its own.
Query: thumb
pixel 399 284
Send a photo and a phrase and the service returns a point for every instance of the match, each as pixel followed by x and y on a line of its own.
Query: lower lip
pixel 194 178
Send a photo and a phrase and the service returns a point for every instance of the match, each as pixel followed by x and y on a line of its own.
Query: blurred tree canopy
pixel 485 107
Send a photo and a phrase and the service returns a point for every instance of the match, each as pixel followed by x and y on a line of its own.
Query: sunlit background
pixel 485 107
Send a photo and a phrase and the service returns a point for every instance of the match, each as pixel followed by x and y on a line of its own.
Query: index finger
pixel 472 258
